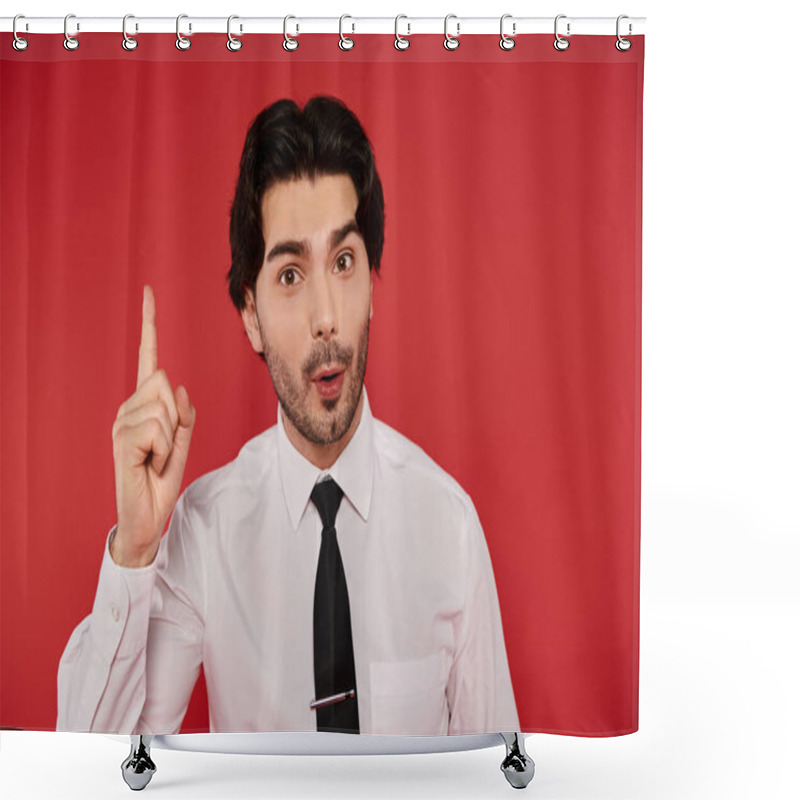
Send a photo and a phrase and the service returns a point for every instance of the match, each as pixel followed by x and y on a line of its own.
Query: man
pixel 331 577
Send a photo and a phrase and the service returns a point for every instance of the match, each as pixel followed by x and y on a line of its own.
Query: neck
pixel 322 456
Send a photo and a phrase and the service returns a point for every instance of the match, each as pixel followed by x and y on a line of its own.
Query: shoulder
pixel 238 479
pixel 414 473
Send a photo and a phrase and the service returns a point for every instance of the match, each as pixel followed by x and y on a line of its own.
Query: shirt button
pixel 115 613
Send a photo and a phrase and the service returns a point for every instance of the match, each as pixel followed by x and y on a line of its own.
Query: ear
pixel 250 320
pixel 371 285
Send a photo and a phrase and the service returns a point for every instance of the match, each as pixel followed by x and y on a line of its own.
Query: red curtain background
pixel 506 340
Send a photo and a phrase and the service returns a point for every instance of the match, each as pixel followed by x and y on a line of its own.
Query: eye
pixel 290 271
pixel 344 257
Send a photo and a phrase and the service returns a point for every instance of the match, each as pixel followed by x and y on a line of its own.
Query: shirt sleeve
pixel 131 665
pixel 479 689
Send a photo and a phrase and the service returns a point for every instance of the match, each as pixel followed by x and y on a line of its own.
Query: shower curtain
pixel 505 341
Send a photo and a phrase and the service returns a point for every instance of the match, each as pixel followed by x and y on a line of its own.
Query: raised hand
pixel 151 443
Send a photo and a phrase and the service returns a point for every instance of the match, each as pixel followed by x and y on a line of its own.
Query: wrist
pixel 123 555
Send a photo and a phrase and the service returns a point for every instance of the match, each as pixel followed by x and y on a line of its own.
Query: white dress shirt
pixel 232 588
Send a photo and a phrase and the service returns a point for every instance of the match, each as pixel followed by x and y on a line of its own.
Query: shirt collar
pixel 352 470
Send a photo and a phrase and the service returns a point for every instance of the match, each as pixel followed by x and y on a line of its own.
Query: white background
pixel 720 435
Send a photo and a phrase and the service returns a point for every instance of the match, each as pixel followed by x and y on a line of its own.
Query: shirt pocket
pixel 408 697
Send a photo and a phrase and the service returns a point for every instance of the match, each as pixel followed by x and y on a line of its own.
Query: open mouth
pixel 330 385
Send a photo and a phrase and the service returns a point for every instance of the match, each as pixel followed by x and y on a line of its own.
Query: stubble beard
pixel 299 399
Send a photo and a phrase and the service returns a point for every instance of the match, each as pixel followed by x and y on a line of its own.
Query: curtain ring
pixel 623 44
pixel 289 43
pixel 19 43
pixel 345 42
pixel 128 42
pixel 451 42
pixel 233 44
pixel 400 42
pixel 182 43
pixel 561 43
pixel 506 42
pixel 70 42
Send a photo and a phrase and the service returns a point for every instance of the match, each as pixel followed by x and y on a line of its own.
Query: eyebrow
pixel 301 247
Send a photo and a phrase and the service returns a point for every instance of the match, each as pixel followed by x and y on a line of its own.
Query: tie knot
pixel 327 496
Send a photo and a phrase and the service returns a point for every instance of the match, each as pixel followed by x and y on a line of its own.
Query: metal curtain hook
pixel 561 43
pixel 506 42
pixel 289 43
pixel 623 44
pixel 400 42
pixel 345 42
pixel 451 42
pixel 233 44
pixel 19 43
pixel 128 42
pixel 182 43
pixel 70 42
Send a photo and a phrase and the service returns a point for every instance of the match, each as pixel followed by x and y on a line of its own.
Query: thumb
pixel 183 433
pixel 186 417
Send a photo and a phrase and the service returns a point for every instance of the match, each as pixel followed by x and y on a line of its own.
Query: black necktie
pixel 336 702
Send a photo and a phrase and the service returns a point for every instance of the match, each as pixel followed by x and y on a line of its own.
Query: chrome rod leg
pixel 517 766
pixel 138 767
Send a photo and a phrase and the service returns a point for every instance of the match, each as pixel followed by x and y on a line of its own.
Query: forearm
pixel 101 675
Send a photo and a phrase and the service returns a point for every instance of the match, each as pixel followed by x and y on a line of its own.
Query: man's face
pixel 313 303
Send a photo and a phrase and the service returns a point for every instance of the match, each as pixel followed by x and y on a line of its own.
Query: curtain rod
pixel 407 26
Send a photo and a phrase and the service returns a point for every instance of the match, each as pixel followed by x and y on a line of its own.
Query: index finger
pixel 148 356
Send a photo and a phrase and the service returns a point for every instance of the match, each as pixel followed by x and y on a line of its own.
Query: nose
pixel 323 310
